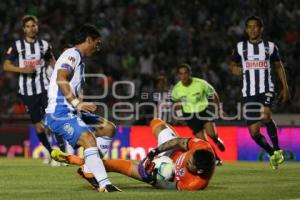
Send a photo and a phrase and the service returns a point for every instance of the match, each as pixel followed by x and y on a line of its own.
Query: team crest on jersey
pixel 68 128
pixel 71 58
pixel 267 50
pixel 181 172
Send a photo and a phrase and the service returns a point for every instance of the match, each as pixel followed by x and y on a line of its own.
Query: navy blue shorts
pixel 35 105
pixel 252 106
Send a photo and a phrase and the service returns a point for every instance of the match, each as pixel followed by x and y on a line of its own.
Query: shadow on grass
pixel 216 187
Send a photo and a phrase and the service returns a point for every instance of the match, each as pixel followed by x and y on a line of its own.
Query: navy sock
pixel 262 142
pixel 60 142
pixel 44 140
pixel 272 132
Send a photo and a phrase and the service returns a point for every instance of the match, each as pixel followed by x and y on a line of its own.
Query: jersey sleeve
pixel 11 53
pixel 209 89
pixel 174 95
pixel 275 56
pixel 235 56
pixel 69 60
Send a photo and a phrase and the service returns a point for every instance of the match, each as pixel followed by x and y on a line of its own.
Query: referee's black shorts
pixel 35 105
pixel 252 106
pixel 196 121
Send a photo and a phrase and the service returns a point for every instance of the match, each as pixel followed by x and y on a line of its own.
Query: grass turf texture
pixel 30 179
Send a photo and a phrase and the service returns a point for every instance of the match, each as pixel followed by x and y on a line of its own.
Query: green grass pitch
pixel 22 179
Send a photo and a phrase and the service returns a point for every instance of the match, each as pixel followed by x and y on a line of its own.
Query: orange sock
pixel 120 166
pixel 155 122
pixel 75 160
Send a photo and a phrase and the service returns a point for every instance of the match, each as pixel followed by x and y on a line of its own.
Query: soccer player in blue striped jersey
pixel 255 59
pixel 67 115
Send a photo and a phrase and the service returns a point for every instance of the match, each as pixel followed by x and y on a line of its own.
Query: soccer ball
pixel 165 168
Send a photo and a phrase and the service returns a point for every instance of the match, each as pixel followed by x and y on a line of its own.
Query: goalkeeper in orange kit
pixel 193 158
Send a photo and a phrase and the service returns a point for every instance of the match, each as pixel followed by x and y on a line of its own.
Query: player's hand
pixel 149 166
pixel 284 95
pixel 28 70
pixel 86 107
pixel 146 171
pixel 152 154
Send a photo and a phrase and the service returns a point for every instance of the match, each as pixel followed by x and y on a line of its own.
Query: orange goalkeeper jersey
pixel 183 178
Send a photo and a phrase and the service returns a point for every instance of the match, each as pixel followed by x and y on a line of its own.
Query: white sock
pixel 95 164
pixel 85 169
pixel 103 144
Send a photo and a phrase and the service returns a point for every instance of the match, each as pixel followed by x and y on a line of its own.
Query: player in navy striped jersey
pixel 259 58
pixel 29 57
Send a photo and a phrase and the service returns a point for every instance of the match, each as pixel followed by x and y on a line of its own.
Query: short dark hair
pixel 87 30
pixel 256 18
pixel 27 18
pixel 204 160
pixel 186 66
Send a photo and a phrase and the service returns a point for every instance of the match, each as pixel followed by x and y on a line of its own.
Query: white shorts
pixel 164 136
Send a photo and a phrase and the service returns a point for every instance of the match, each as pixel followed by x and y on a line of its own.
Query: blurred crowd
pixel 144 41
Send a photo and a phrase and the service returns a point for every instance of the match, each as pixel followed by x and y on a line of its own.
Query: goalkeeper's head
pixel 202 162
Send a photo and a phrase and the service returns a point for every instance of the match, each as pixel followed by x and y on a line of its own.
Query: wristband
pixel 75 102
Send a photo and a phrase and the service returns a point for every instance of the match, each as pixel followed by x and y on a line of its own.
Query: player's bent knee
pixel 157 123
pixel 111 129
pixel 108 130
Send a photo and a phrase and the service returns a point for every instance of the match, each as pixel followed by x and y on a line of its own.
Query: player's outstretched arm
pixel 181 143
pixel 176 143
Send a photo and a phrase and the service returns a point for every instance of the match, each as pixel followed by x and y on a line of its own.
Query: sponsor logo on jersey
pixel 33 62
pixel 256 64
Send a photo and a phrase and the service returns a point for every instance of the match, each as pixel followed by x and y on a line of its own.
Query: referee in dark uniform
pixel 255 59
pixel 29 57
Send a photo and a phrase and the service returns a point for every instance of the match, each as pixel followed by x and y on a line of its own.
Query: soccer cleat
pixel 109 188
pixel 273 162
pixel 54 163
pixel 90 178
pixel 220 144
pixel 46 161
pixel 59 156
pixel 219 162
pixel 279 156
pixel 66 158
